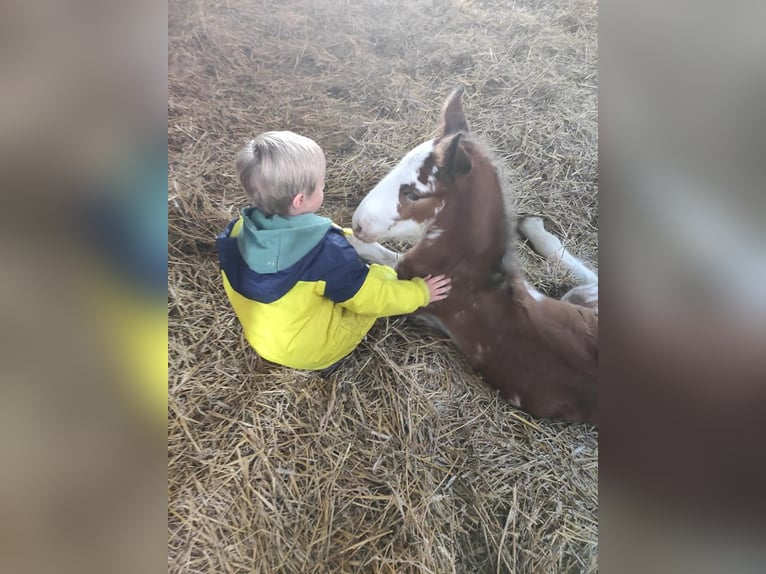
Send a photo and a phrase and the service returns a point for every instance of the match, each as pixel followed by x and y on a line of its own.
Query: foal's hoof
pixel 531 226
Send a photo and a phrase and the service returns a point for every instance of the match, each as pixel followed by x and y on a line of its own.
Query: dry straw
pixel 403 461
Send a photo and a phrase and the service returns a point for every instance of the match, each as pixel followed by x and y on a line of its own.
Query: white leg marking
pixel 584 295
pixel 550 247
pixel 373 252
pixel 536 295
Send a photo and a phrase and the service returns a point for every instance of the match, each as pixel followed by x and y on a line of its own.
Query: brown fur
pixel 541 355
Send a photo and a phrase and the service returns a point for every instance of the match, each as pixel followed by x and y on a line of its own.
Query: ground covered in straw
pixel 403 461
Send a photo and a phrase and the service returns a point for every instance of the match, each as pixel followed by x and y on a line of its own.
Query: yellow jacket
pixel 304 298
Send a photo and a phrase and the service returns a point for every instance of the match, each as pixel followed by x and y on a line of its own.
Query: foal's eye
pixel 412 195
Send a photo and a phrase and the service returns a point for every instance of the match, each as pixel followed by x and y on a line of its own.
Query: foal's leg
pixel 550 247
pixel 373 252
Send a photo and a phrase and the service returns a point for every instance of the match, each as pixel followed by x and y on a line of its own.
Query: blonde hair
pixel 276 166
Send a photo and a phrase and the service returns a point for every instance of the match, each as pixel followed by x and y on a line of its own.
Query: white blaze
pixel 377 217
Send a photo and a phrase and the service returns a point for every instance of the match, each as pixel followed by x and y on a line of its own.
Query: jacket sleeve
pixel 382 294
pixel 369 290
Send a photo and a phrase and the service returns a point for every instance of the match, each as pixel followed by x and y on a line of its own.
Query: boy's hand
pixel 438 287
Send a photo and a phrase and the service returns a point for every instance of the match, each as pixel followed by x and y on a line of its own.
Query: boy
pixel 303 296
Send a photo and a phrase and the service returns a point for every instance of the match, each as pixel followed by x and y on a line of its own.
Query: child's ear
pixel 298 200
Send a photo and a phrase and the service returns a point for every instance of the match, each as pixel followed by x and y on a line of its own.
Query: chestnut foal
pixel 540 353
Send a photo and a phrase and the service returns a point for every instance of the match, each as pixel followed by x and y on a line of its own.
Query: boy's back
pixel 303 296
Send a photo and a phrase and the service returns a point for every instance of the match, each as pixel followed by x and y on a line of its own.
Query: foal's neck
pixel 468 238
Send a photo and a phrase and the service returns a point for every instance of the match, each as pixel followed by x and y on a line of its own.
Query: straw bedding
pixel 402 460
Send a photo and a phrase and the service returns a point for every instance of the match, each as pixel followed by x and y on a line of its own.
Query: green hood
pixel 271 243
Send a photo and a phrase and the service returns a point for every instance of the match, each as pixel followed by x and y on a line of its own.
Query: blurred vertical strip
pixel 83 162
pixel 683 267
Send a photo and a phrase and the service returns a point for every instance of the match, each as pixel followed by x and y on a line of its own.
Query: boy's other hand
pixel 438 287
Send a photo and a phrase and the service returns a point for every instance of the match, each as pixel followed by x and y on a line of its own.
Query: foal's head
pixel 446 185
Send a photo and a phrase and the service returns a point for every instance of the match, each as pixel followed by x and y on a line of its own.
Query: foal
pixel 539 352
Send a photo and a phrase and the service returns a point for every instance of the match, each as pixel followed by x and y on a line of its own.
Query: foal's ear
pixel 453 117
pixel 455 160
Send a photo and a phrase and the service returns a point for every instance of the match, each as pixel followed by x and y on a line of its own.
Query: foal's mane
pixel 510 266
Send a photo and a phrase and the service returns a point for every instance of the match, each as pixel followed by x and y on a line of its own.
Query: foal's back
pixel 542 355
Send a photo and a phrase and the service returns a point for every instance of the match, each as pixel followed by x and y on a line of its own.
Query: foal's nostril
pixel 356 228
